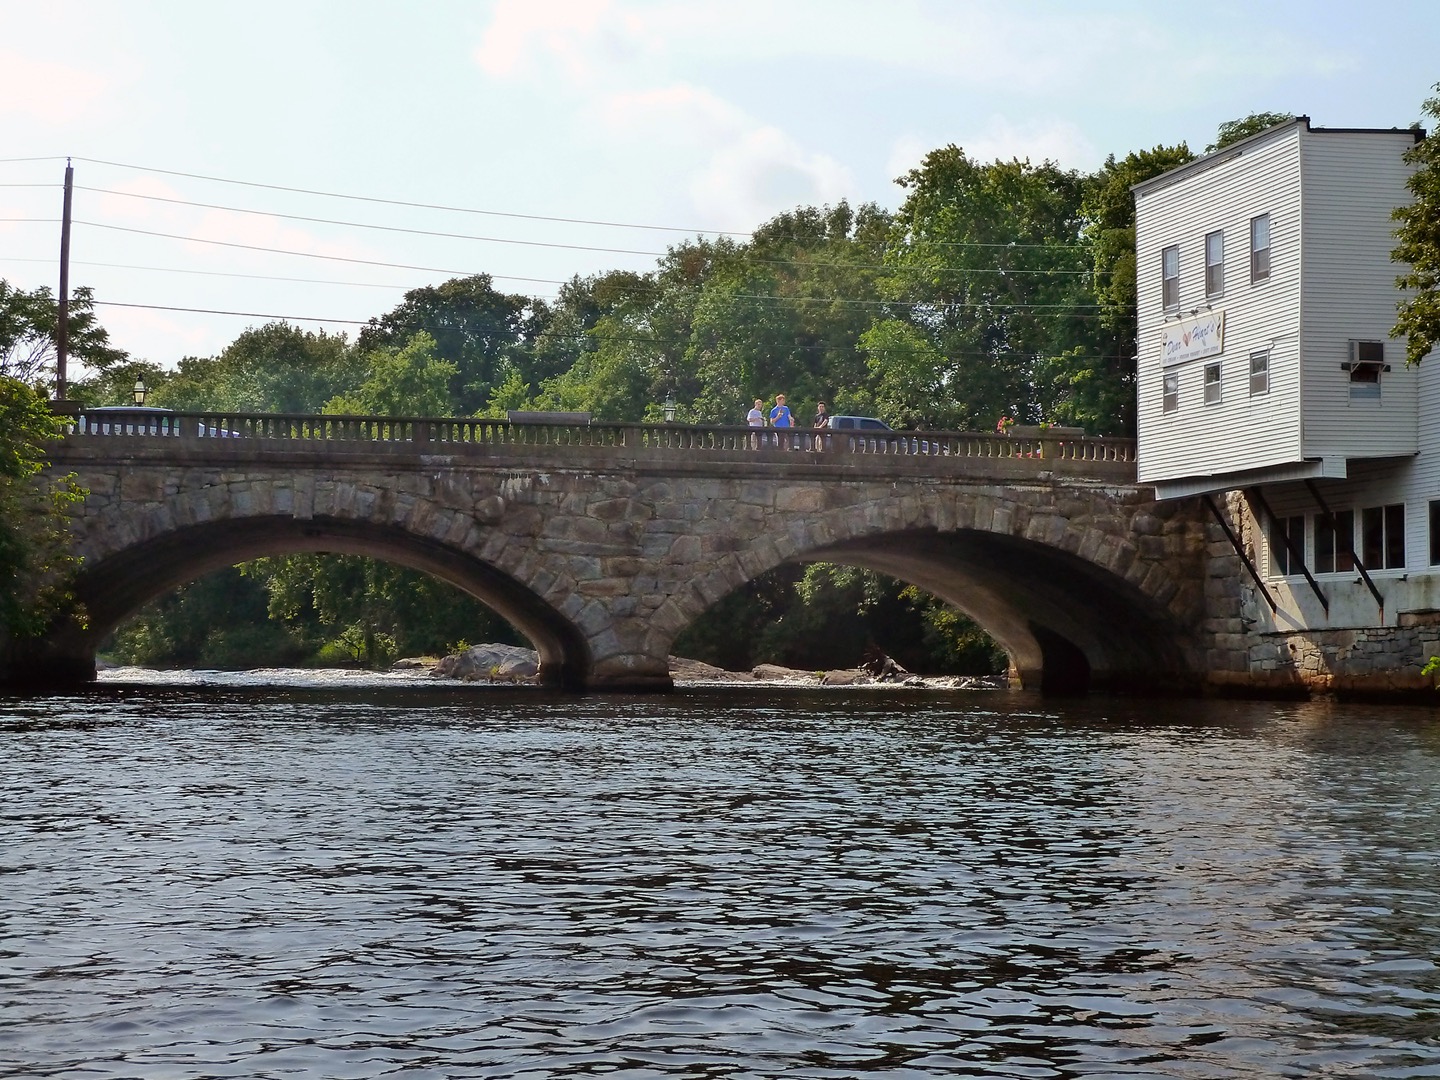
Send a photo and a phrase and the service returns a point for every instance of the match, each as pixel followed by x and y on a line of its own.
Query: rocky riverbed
pixel 512 663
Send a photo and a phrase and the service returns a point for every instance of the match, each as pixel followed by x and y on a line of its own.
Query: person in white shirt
pixel 756 418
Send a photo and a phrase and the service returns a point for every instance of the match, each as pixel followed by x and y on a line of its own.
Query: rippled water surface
pixel 381 880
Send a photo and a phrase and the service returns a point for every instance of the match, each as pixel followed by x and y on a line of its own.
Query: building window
pixel 1367 362
pixel 1212 384
pixel 1282 559
pixel 1435 534
pixel 1170 396
pixel 1259 248
pixel 1382 537
pixel 1214 264
pixel 1334 543
pixel 1259 373
pixel 1170 277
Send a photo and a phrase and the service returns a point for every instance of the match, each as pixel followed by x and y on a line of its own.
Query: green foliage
pixel 1232 131
pixel 217 621
pixel 29 322
pixel 408 381
pixel 1098 378
pixel 824 616
pixel 989 260
pixel 1419 248
pixel 480 331
pixel 276 368
pixel 36 566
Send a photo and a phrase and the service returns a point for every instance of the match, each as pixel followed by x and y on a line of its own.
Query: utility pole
pixel 62 328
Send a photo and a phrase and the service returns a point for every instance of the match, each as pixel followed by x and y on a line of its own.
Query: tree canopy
pixel 1419 247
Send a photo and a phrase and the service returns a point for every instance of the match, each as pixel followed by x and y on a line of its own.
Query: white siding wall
pixel 1413 481
pixel 1352 183
pixel 1242 432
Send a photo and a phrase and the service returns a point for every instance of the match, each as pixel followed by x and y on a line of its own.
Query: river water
pixel 379 878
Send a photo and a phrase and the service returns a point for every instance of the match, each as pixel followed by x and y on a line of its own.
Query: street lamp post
pixel 669 407
pixel 140 391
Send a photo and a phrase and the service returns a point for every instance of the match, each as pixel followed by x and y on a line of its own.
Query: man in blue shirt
pixel 780 414
pixel 780 418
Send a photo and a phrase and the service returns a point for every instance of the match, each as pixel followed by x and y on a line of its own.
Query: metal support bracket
pixel 1350 546
pixel 1240 550
pixel 1297 554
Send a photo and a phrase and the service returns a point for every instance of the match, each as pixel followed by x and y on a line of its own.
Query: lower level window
pixel 1334 542
pixel 1170 395
pixel 1212 384
pixel 1259 373
pixel 1382 537
pixel 1287 558
pixel 1435 534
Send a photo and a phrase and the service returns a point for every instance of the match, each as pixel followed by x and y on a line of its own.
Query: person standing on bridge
pixel 780 418
pixel 756 419
pixel 822 420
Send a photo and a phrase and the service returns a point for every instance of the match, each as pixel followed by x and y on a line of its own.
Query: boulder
pixel 510 662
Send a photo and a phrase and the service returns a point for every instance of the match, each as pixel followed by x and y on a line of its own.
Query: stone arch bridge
pixel 601 543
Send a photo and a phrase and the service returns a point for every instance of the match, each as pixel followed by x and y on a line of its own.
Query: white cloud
pixel 1041 140
pixel 46 91
pixel 524 32
pixel 741 170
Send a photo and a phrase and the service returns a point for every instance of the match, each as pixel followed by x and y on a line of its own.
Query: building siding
pixel 1241 432
pixel 1353 182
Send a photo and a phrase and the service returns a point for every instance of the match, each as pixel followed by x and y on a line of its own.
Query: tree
pixel 1419 247
pixel 408 381
pixel 474 326
pixel 989 261
pixel 1101 385
pixel 1232 131
pixel 35 562
pixel 29 322
pixel 274 368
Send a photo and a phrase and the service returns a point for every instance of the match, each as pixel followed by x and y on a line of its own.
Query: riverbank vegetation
pixel 1001 289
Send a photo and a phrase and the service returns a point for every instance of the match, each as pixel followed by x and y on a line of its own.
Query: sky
pixel 273 159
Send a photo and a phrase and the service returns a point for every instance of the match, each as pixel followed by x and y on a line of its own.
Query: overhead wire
pixel 548 244
pixel 406 203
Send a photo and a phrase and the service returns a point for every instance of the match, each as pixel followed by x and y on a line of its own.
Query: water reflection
pixel 419 881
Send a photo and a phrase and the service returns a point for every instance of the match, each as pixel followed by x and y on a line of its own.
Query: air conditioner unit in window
pixel 1366 353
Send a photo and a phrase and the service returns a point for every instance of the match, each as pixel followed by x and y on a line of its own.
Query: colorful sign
pixel 1192 338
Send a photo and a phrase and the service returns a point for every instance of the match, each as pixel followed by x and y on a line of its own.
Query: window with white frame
pixel 1214 264
pixel 1212 384
pixel 1259 373
pixel 1287 545
pixel 1435 534
pixel 1382 537
pixel 1334 542
pixel 1170 392
pixel 1170 277
pixel 1259 248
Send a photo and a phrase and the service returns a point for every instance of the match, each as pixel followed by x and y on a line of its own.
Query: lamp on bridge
pixel 669 407
pixel 140 391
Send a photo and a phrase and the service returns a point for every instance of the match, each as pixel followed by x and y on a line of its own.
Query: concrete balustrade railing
pixel 296 429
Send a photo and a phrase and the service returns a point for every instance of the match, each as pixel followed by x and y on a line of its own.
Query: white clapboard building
pixel 1266 298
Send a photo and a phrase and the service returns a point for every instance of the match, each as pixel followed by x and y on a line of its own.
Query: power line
pixel 463 273
pixel 378 228
pixel 548 244
pixel 243 314
pixel 402 202
pixel 269 277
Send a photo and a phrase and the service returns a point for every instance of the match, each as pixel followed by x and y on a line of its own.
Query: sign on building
pixel 1190 339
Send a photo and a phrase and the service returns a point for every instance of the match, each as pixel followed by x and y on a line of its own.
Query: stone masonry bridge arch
pixel 602 543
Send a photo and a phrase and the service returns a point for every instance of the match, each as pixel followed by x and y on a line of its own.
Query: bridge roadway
pixel 602 542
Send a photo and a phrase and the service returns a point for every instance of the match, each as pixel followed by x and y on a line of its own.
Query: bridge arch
pixel 1078 602
pixel 116 583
